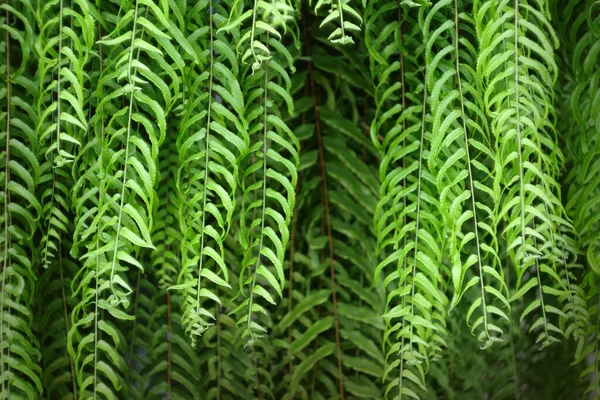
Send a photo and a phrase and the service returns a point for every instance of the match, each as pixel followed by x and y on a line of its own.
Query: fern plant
pixel 291 199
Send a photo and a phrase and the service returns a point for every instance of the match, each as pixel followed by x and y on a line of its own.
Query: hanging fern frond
pixel 64 44
pixel 208 163
pixel 359 309
pixel 20 370
pixel 165 261
pixel 587 353
pixel 578 119
pixel 458 159
pixel 118 221
pixel 518 80
pixel 407 225
pixel 268 178
pixel 171 363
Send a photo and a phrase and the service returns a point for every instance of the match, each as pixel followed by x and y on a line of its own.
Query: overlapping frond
pixel 20 370
pixel 117 191
pixel 208 163
pixel 459 154
pixel 360 301
pixel 407 220
pixel 170 363
pixel 578 120
pixel 582 137
pixel 67 34
pixel 518 69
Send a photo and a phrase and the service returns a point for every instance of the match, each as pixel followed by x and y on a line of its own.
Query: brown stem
pixel 327 213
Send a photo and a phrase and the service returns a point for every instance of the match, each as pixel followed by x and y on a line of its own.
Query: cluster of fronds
pixel 334 199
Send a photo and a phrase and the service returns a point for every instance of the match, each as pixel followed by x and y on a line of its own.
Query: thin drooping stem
pixel 341 10
pixel 404 200
pixel 540 289
pixel 264 201
pixel 327 214
pixel 262 219
pixel 127 139
pixel 206 157
pixel 252 31
pixel 168 292
pixel 417 220
pixel 59 82
pixel 518 124
pixel 470 172
pixel 58 111
pixel 6 199
pixel 521 172
pixel 97 258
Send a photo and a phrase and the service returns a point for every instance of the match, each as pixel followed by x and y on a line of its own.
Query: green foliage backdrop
pixel 280 199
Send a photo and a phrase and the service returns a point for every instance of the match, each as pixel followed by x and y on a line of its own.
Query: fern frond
pixel 342 15
pixel 518 79
pixel 208 163
pixel 20 371
pixel 359 310
pixel 265 17
pixel 580 125
pixel 64 45
pixel 458 159
pixel 166 236
pixel 115 219
pixel 588 352
pixel 406 226
pixel 171 363
pixel 268 181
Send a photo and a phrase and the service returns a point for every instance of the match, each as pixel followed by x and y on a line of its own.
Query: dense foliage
pixel 279 199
